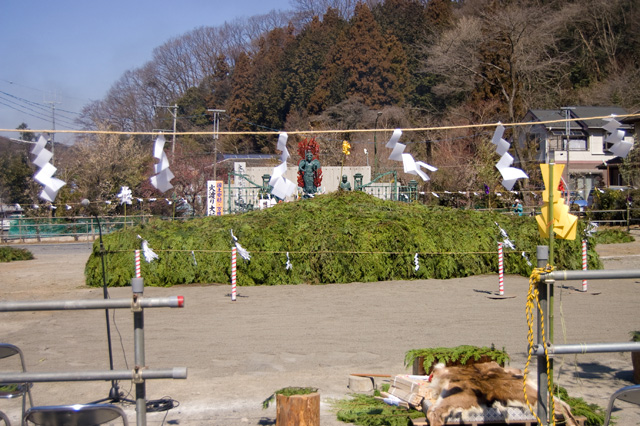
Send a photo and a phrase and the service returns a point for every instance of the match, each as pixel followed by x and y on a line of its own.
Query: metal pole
pixel 542 254
pixel 592 274
pixel 567 116
pixel 173 139
pixel 588 348
pixel 70 305
pixel 375 145
pixel 137 286
pixel 216 129
pixel 88 376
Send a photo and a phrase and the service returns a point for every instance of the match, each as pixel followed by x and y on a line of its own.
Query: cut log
pixel 298 410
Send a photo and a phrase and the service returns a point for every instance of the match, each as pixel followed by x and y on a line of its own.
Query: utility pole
pixel 375 145
pixel 567 131
pixel 53 124
pixel 173 109
pixel 216 129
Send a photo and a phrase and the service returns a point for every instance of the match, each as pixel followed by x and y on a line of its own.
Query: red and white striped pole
pixel 584 263
pixel 500 270
pixel 138 275
pixel 233 273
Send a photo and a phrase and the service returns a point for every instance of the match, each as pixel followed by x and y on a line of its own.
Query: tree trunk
pixel 298 410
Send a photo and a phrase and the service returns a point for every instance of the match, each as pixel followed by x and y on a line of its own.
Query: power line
pixel 30 107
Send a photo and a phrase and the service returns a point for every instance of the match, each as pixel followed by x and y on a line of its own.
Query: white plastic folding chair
pixel 628 394
pixel 75 415
pixel 15 390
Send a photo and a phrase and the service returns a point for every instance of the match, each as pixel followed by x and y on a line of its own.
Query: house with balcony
pixel 588 162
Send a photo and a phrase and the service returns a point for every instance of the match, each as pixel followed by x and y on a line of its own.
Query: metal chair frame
pixel 74 415
pixel 628 394
pixel 23 389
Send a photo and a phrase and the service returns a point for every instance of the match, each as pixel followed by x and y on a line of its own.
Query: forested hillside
pixel 340 65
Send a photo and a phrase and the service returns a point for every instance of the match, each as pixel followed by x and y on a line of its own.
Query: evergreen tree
pixel 268 104
pixel 239 103
pixel 365 63
pixel 15 177
pixel 305 59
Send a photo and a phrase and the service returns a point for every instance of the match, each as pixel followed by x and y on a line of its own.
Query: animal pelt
pixel 477 386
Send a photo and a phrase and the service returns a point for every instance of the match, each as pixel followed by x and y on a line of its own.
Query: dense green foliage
pixel 336 238
pixel 369 411
pixel 366 410
pixel 8 254
pixel 458 355
pixel 579 407
pixel 613 236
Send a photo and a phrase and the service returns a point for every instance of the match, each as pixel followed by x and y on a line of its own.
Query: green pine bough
pixel 9 254
pixel 342 237
pixel 288 391
pixel 459 355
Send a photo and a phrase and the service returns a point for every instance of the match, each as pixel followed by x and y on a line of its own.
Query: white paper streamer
pixel 416 262
pixel 125 195
pixel 591 229
pixel 507 241
pixel 288 265
pixel 241 250
pixel 193 256
pixel 620 147
pixel 281 186
pixel 509 174
pixel 147 252
pixel 44 176
pixel 410 165
pixel 526 258
pixel 162 180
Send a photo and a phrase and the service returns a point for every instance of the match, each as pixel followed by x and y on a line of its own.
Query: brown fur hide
pixel 469 387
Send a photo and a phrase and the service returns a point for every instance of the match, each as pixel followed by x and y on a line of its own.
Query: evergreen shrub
pixel 9 254
pixel 335 238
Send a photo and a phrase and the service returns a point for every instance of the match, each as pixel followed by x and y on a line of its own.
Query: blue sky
pixel 71 51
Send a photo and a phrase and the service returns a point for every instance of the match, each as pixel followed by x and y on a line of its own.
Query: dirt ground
pixel 238 353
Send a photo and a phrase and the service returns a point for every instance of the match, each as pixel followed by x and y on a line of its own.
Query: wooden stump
pixel 298 410
pixel 635 359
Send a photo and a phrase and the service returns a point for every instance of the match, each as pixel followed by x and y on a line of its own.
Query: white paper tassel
pixel 125 195
pixel 147 252
pixel 241 250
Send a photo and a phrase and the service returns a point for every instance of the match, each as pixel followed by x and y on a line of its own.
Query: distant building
pixel 590 164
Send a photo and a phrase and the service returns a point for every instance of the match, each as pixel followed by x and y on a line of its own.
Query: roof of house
pixel 596 111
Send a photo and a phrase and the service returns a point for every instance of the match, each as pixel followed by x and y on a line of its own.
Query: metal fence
pixel 75 227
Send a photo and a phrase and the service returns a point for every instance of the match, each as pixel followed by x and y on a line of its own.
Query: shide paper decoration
pixel 410 165
pixel 509 174
pixel 241 250
pixel 162 180
pixel 620 147
pixel 507 242
pixel 147 252
pixel 282 187
pixel 46 170
pixel 125 195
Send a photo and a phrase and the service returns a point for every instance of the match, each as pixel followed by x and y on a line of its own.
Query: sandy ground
pixel 238 353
